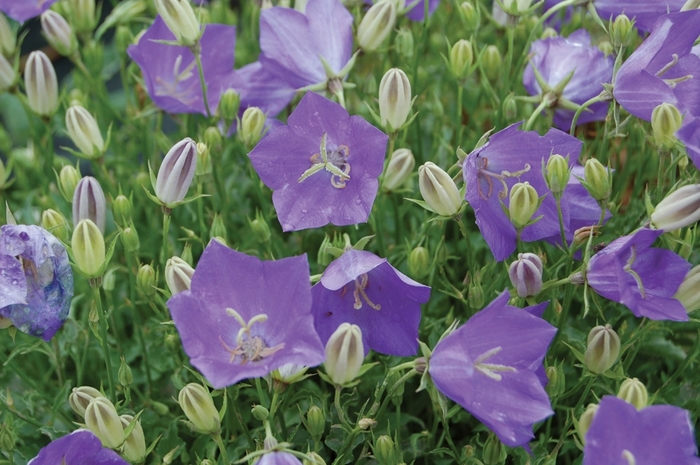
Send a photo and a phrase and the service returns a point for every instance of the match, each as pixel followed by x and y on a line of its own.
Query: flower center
pixel 333 161
pixel 489 176
pixel 637 278
pixel 250 348
pixel 170 89
pixel 490 369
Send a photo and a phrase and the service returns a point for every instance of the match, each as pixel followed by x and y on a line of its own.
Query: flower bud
pixel 419 262
pixel 376 25
pixel 8 75
pixel 146 280
pixel 88 248
pixel 198 406
pixel 89 203
pixel 476 294
pixel 203 160
pixel 260 228
pixel 597 179
pixel 404 43
pixel 621 31
pixel 84 131
pixel 58 33
pixel 229 104
pixel 135 444
pixel 122 207
pixel 213 139
pixel 82 15
pixel 315 422
pixel 557 174
pixel 634 392
pixel 602 350
pixel 68 179
pixel 678 209
pixel 178 275
pixel 516 7
pixel 344 354
pixel 461 58
pixel 7 438
pixel 366 423
pixel 524 202
pixel 399 169
pixel 584 423
pixel 180 19
pixel 491 61
pixel 526 274
pixel 439 190
pixel 471 15
pixel 691 5
pixel 218 229
pixel 556 381
pixel 549 33
pixel 260 413
pixel 689 292
pixel 81 397
pixel 394 99
pixel 252 126
pixel 186 254
pixel 41 84
pixel 55 223
pixel 510 107
pixel 315 459
pixel 176 172
pixel 494 451
pixel 8 39
pixel 384 450
pixel 665 121
pixel 101 418
pixel 124 374
pixel 123 38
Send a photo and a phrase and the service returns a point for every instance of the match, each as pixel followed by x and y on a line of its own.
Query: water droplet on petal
pixel 304 211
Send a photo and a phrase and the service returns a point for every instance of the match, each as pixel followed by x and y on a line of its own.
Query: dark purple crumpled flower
pixel 243 317
pixel 22 10
pixel 512 156
pixel 79 447
pixel 663 69
pixel 36 280
pixel 489 366
pixel 292 43
pixel 642 278
pixel 362 289
pixel 658 434
pixel 555 58
pixel 310 191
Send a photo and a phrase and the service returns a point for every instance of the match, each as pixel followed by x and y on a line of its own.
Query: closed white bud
pixel 101 418
pixel 602 349
pixel 88 246
pixel 634 392
pixel 41 84
pixel 8 76
pixel 666 119
pixel 252 126
pixel 689 292
pixel 82 14
pixel 526 274
pixel 58 33
pixel 81 397
pixel 584 423
pixel 394 99
pixel 176 172
pixel 180 19
pixel 691 5
pixel 84 131
pixel 89 202
pixel 199 408
pixel 376 25
pixel 677 210
pixel 178 275
pixel 8 40
pixel 399 169
pixel 345 353
pixel 135 444
pixel 439 190
pixel 523 204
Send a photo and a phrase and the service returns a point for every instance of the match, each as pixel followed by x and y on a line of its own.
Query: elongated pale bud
pixel 419 262
pixel 178 275
pixel 384 450
pixel 602 349
pixel 8 76
pixel 404 43
pixel 68 179
pixel 88 248
pixel 81 397
pixel 199 408
pixel 84 131
pixel 691 5
pixel 8 39
pixel 101 418
pixel 399 169
pixel 58 33
pixel 146 279
pixel 229 104
pixel 524 202
pixel 252 126
pixel 134 444
pixel 394 99
pixel 665 121
pixel 634 392
pixel 516 7
pixel 491 60
pixel 439 190
pixel 180 19
pixel 597 179
pixel 677 210
pixel 176 172
pixel 584 423
pixel 526 274
pixel 89 203
pixel 689 292
pixel 315 422
pixel 376 25
pixel 82 16
pixel 344 354
pixel 122 207
pixel 557 174
pixel 461 58
pixel 55 223
pixel 41 84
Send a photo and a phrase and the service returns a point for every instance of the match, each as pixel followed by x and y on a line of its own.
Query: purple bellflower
pixel 642 278
pixel 322 166
pixel 416 11
pixel 490 367
pixel 663 69
pixel 362 289
pixel 689 135
pixel 79 447
pixel 622 435
pixel 551 62
pixel 243 317
pixel 278 458
pixel 509 157
pixel 36 282
pixel 170 71
pixel 644 12
pixel 22 10
pixel 293 44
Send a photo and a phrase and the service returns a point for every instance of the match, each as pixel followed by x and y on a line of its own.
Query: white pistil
pixel 337 165
pixel 359 293
pixel 637 278
pixel 490 369
pixel 488 175
pixel 250 348
pixel 627 455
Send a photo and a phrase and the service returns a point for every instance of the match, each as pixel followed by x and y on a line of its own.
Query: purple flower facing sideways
pixel 22 10
pixel 689 135
pixel 322 166
pixel 663 69
pixel 642 278
pixel 622 435
pixel 554 59
pixel 363 289
pixel 513 156
pixel 80 447
pixel 36 280
pixel 490 367
pixel 243 317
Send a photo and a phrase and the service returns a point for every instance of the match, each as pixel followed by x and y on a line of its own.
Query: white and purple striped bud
pixel 41 84
pixel 176 172
pixel 689 292
pixel 677 210
pixel 89 203
pixel 178 275
pixel 102 419
pixel 8 75
pixel 345 353
pixel 439 190
pixel 58 33
pixel 376 25
pixel 180 19
pixel 394 99
pixel 526 274
pixel 399 169
pixel 8 39
pixel 84 131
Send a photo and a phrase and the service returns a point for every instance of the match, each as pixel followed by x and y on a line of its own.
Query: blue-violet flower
pixel 79 447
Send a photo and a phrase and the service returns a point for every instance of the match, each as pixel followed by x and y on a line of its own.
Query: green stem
pixel 103 335
pixel 531 120
pixel 138 325
pixel 222 448
pixel 584 106
pixel 197 52
pixel 338 407
pixel 562 231
pixel 166 228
